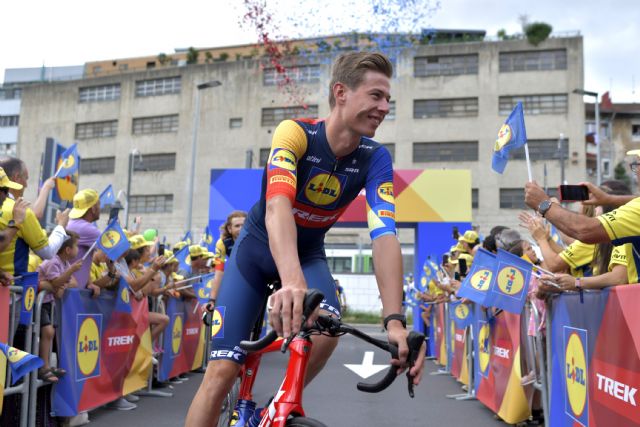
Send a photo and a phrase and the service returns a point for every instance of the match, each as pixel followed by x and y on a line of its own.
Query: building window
pixel 454 107
pixel 299 74
pixel 606 168
pixel 339 265
pixel 542 149
pixel 156 162
pixel 273 116
pixel 156 124
pixel 391 115
pixel 235 123
pixel 534 104
pixel 462 151
pixel 164 86
pixel 446 65
pixel 154 203
pixel 635 131
pixel 512 198
pixel 9 93
pixel 99 93
pixel 91 130
pixel 97 69
pixel 9 121
pixel 263 158
pixel 536 60
pixel 474 198
pixel 391 147
pixel 97 165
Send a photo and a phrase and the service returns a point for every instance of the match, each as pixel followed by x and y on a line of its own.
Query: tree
pixel 192 56
pixel 620 172
pixel 163 59
pixel 537 32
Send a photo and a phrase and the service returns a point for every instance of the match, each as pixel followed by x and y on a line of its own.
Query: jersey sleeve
pixel 381 205
pixel 32 233
pixel 578 254
pixel 220 256
pixel 622 224
pixel 618 256
pixel 287 147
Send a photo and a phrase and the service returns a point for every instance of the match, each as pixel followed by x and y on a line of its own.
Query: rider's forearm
pixel 283 240
pixel 387 260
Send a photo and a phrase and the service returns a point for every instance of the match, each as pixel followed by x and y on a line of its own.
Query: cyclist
pixel 315 169
pixel 229 232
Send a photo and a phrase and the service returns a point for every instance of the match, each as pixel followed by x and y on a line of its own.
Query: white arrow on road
pixel 367 368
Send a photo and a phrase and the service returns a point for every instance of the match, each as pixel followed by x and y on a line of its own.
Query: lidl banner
pixel 441 335
pixel 106 352
pixel 459 315
pixel 184 339
pixel 596 358
pixel 497 365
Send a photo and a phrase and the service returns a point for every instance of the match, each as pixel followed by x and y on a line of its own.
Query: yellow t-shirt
pixel 15 258
pixel 433 289
pixel 578 257
pixel 97 271
pixel 623 227
pixel 34 262
pixel 468 258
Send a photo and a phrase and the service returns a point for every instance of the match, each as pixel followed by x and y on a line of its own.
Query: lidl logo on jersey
pixel 481 279
pixel 484 348
pixel 324 188
pixel 284 159
pixel 510 280
pixel 385 192
pixel 176 335
pixel 88 339
pixel 217 322
pixel 576 403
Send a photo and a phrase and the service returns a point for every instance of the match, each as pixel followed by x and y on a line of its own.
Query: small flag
pixel 510 283
pixel 207 239
pixel 70 162
pixel 555 235
pixel 29 283
pixel 187 238
pixel 202 288
pixel 123 304
pixel 113 242
pixel 478 281
pixel 512 135
pixel 20 362
pixel 183 258
pixel 461 314
pixel 107 197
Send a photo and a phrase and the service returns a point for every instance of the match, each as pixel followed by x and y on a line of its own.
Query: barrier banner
pixel 4 314
pixel 106 353
pixel 431 351
pixel 497 366
pixel 183 342
pixel 596 358
pixel 460 316
pixel 440 335
pixel 29 284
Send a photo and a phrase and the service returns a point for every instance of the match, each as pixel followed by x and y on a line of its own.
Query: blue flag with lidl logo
pixel 123 303
pixel 187 238
pixel 476 285
pixel 183 259
pixel 512 135
pixel 70 162
pixel 107 197
pixel 202 288
pixel 113 242
pixel 20 363
pixel 29 284
pixel 510 283
pixel 207 240
pixel 462 314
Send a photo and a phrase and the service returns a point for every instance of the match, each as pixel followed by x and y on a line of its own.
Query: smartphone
pixel 573 193
pixel 462 266
pixel 160 249
pixel 456 233
pixel 113 213
pixel 445 259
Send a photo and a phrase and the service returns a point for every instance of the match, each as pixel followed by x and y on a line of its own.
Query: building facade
pixel 449 101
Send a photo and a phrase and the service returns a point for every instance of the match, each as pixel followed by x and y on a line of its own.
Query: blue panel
pixel 233 189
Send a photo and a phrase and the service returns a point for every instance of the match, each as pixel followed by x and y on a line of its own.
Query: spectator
pixel 55 275
pixel 342 298
pixel 103 272
pixel 469 241
pixel 17 171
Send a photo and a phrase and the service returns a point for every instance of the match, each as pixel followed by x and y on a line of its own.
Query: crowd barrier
pixel 105 346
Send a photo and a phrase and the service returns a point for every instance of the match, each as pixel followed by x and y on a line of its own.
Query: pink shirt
pixel 51 269
pixel 88 234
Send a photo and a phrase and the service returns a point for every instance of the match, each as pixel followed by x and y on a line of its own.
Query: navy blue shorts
pixel 244 288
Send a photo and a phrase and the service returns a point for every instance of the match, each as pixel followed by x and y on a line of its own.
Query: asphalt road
pixel 331 398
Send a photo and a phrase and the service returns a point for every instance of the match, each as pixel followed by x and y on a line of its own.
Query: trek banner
pixel 440 335
pixel 457 338
pixel 596 358
pixel 106 352
pixel 183 342
pixel 497 365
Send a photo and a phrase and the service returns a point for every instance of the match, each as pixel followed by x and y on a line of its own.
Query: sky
pixel 72 32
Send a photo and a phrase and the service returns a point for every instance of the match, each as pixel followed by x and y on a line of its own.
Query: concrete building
pixel 11 90
pixel 450 100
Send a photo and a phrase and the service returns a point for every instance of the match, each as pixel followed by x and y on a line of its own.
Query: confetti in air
pixel 292 34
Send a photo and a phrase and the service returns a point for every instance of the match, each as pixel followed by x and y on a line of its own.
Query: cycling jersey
pixel 622 226
pixel 15 258
pixel 223 252
pixel 320 186
pixel 578 257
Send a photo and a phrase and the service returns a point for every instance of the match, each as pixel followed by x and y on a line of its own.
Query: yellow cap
pixel 635 152
pixel 179 246
pixel 469 236
pixel 5 182
pixel 208 255
pixel 196 251
pixel 456 248
pixel 169 256
pixel 138 241
pixel 177 277
pixel 82 202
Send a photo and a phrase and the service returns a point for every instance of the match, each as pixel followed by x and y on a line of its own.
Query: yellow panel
pixel 410 207
pixel 514 407
pixel 446 192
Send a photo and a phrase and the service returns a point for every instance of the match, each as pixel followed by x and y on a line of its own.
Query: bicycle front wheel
pixel 304 422
pixel 228 405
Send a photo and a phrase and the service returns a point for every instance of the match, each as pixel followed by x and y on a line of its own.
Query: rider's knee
pixel 220 375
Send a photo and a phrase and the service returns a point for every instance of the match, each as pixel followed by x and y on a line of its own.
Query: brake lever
pixel 414 341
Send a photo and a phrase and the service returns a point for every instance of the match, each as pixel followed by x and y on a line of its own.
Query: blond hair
pixel 224 228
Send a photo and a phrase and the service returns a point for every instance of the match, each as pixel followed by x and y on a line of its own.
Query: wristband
pixel 396 316
pixel 578 285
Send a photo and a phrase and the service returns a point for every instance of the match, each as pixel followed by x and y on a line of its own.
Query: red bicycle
pixel 285 409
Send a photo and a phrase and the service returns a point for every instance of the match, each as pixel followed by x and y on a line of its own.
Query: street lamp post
pixel 194 140
pixel 132 156
pixel 597 134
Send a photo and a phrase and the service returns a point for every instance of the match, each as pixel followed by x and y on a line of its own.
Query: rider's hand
pixel 285 313
pixel 397 335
